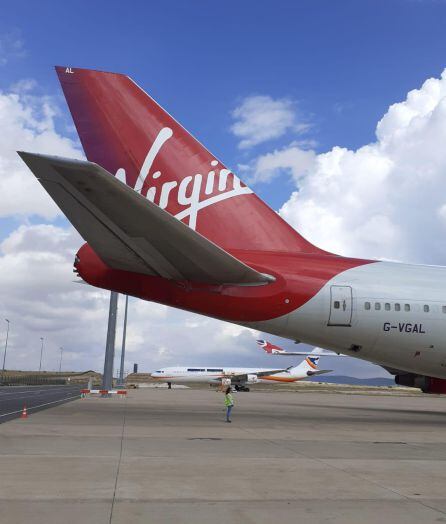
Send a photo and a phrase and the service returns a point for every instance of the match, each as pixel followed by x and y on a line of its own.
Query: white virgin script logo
pixel 188 190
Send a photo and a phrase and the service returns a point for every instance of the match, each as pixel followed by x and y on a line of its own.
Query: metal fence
pixel 30 380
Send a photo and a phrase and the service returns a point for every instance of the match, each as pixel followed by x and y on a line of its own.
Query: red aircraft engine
pixel 426 384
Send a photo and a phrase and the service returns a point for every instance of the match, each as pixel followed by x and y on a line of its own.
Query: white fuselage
pixel 387 313
pixel 214 375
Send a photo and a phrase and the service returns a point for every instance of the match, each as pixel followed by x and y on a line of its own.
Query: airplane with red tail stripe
pixel 165 220
pixel 272 349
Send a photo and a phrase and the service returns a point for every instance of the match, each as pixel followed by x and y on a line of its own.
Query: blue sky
pixel 336 67
pixel 343 62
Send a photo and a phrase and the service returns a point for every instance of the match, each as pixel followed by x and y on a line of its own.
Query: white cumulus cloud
pixel 262 118
pixel 28 123
pixel 291 159
pixel 386 199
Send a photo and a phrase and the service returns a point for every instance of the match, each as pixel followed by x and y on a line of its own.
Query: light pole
pixel 124 333
pixel 6 344
pixel 41 353
pixel 60 361
pixel 107 379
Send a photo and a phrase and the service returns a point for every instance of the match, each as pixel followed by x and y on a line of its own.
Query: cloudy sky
pixel 334 112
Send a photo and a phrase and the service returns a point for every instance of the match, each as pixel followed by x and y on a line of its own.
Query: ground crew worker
pixel 229 403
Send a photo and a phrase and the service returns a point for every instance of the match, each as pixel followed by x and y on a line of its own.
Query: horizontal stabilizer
pixel 130 233
pixel 318 372
pixel 308 353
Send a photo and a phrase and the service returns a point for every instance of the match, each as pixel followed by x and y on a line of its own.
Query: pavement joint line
pixel 119 461
pixel 209 501
pixel 39 406
pixel 352 474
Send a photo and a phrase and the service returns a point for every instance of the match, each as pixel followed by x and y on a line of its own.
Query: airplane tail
pixel 310 363
pixel 126 132
pixel 268 347
pixel 309 366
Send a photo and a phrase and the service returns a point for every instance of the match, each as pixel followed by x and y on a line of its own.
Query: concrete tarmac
pixel 165 456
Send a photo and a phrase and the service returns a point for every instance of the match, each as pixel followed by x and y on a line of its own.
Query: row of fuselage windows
pixel 202 370
pixel 387 306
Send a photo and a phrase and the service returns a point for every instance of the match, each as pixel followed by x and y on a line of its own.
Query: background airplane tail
pixel 125 131
pixel 309 364
pixel 268 347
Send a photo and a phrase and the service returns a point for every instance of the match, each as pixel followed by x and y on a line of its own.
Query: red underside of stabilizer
pixel 298 278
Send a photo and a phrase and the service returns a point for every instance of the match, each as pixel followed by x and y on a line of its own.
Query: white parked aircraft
pixel 240 378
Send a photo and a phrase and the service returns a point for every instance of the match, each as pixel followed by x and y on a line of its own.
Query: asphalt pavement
pixel 14 398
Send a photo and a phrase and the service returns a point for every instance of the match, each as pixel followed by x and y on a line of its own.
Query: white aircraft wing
pixel 130 233
pixel 313 353
pixel 259 374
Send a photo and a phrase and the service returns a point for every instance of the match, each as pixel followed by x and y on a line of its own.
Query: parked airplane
pixel 177 227
pixel 240 378
pixel 272 349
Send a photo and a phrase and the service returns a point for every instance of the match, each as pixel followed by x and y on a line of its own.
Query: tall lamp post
pixel 41 353
pixel 124 333
pixel 107 379
pixel 6 344
pixel 60 361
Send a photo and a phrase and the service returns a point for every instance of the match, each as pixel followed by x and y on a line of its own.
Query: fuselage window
pixel 367 305
pixel 426 308
pixel 336 304
pixel 406 307
pixel 397 307
pixel 387 306
pixel 377 306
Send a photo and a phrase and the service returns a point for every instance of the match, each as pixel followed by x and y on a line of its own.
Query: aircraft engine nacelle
pixel 426 384
pixel 252 379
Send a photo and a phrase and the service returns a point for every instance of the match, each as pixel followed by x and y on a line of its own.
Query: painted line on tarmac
pixel 39 406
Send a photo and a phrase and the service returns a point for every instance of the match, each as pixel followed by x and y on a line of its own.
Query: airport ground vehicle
pixel 175 226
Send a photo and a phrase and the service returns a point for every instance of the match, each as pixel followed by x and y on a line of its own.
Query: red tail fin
pixel 123 130
pixel 268 347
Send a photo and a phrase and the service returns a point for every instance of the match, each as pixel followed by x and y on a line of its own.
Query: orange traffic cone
pixel 24 412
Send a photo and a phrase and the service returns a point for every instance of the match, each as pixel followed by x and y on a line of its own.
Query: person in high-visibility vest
pixel 229 403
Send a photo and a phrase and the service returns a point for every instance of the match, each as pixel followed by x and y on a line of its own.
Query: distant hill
pixel 354 381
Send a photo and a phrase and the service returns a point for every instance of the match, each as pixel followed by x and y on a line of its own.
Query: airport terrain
pixel 165 456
